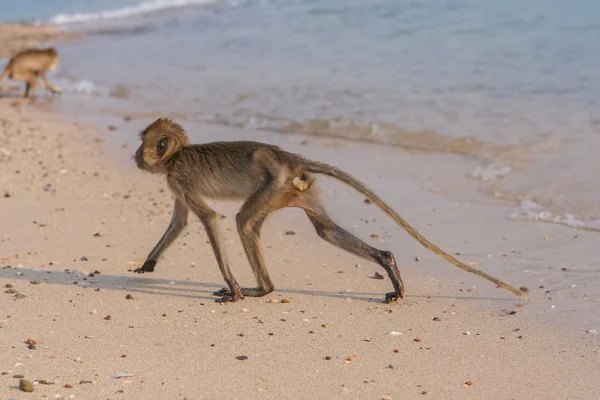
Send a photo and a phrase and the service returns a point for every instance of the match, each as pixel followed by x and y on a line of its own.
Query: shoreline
pixel 465 194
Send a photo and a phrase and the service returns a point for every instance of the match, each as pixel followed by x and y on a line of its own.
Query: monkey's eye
pixel 162 146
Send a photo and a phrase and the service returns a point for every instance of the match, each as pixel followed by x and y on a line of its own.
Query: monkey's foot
pixel 228 297
pixel 246 292
pixel 393 296
pixel 147 267
pixel 223 292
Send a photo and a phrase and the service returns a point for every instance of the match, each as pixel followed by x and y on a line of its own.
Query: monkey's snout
pixel 139 159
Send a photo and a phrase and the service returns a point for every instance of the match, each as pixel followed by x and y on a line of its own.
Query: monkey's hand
pixel 147 267
pixel 56 89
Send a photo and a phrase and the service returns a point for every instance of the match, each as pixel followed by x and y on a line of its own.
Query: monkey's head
pixel 160 141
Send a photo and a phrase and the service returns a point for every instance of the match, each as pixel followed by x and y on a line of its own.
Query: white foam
pixel 491 172
pixel 532 211
pixel 81 86
pixel 141 8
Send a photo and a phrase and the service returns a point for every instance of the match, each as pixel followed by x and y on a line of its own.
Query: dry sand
pixel 70 195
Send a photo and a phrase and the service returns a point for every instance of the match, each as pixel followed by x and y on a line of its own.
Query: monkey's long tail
pixel 325 169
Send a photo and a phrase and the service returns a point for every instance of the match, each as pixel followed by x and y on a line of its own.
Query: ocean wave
pixel 82 86
pixel 531 211
pixel 141 8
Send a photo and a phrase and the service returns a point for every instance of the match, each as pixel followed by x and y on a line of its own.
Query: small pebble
pixel 35 282
pixel 241 358
pixel 396 350
pixel 377 275
pixel 327 358
pixel 417 340
pixel 25 386
pixel 108 318
pixel 374 235
pixel 11 291
pixel 285 301
pixel 18 376
pixel 273 301
pixel 84 258
pixel 31 346
pixel 290 233
pixel 112 128
pixel 68 386
pixel 8 285
pixel 436 319
pixel 129 297
pixel 468 383
pixel 30 341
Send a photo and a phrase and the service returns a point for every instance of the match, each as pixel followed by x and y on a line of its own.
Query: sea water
pixel 513 84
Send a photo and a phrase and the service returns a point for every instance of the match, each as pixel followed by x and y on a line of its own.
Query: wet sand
pixel 74 204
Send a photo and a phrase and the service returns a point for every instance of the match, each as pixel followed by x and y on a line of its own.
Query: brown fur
pixel 268 178
pixel 30 64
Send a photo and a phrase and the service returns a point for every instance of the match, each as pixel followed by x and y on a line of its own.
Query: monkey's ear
pixel 162 146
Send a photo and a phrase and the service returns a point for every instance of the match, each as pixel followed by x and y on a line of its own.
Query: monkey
pixel 267 178
pixel 30 64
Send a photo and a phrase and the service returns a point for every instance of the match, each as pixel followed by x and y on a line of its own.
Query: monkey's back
pixel 225 169
pixel 35 60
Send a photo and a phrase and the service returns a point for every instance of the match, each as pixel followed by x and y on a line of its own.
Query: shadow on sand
pixel 186 289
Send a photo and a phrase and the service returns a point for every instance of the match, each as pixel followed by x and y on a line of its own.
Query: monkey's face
pixel 149 155
pixel 160 141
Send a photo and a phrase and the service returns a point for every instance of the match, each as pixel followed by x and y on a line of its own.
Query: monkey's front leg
pixel 52 88
pixel 178 222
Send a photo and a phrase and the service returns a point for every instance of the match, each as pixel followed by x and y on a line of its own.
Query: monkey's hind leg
pixel 329 231
pixel 31 82
pixel 53 88
pixel 249 221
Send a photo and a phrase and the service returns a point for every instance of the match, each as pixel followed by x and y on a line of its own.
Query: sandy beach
pixel 77 217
